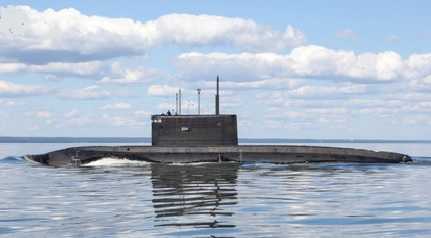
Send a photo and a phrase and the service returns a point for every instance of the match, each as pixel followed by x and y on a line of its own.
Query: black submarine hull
pixel 77 156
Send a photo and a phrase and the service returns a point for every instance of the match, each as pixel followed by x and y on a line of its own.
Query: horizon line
pixel 116 139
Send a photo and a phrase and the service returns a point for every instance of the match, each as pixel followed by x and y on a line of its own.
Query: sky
pixel 288 69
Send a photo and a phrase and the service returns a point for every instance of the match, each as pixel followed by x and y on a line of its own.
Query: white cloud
pixel 125 76
pixel 346 34
pixel 7 103
pixel 87 93
pixel 309 115
pixel 44 118
pixel 29 35
pixel 104 72
pixel 306 61
pixel 124 120
pixel 209 29
pixel 8 89
pixel 308 85
pixel 168 106
pixel 339 103
pixel 265 84
pixel 162 90
pixel 117 106
pixel 71 114
pixel 92 69
pixel 67 35
pixel 393 39
pixel 82 69
pixel 43 114
pixel 77 120
pixel 142 113
pixel 11 67
pixel 329 91
pixel 423 84
pixel 187 106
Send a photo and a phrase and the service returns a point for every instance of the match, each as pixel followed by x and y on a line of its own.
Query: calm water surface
pixel 117 198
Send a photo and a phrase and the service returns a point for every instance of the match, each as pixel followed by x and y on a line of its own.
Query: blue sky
pixel 303 69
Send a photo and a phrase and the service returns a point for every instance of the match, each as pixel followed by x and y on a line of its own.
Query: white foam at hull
pixel 112 162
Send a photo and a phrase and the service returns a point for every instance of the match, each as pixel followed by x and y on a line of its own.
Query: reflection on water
pixel 334 200
pixel 111 198
pixel 200 193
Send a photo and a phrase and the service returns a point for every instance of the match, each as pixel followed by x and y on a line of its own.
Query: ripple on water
pixel 12 160
pixel 116 197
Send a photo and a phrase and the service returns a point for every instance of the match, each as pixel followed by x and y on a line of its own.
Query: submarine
pixel 186 138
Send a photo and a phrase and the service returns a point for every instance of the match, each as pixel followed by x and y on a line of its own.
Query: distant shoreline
pixel 12 139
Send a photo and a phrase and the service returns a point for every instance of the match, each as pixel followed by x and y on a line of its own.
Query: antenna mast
pixel 199 100
pixel 217 99
pixel 179 101
pixel 176 103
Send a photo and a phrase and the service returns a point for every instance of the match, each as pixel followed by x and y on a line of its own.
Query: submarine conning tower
pixel 195 129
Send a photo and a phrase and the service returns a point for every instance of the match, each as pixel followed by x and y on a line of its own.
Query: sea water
pixel 123 198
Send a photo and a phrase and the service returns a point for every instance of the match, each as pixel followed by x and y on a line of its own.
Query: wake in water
pixel 115 162
pixel 125 162
pixel 12 160
pixel 421 160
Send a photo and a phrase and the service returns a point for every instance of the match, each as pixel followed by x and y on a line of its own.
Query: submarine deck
pixel 76 156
